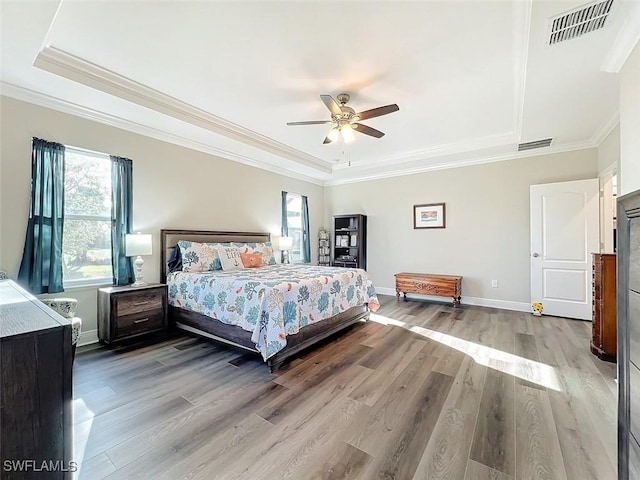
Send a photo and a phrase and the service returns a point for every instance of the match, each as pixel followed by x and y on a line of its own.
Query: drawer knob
pixel 142 320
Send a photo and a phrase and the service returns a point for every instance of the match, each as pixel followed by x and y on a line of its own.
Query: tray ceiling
pixel 472 79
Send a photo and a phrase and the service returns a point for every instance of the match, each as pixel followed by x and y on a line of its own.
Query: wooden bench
pixel 429 284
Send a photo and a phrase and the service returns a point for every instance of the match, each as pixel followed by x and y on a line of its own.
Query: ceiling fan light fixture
pixel 345 119
pixel 334 134
pixel 347 134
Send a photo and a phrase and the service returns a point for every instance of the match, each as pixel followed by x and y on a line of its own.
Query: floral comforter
pixel 272 301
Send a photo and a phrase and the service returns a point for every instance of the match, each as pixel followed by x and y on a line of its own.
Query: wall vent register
pixel 579 21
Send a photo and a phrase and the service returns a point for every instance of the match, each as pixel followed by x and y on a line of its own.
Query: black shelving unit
pixel 324 249
pixel 349 241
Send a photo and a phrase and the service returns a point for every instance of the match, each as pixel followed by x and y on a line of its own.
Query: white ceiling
pixel 472 79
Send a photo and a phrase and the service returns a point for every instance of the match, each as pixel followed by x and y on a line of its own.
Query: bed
pixel 275 310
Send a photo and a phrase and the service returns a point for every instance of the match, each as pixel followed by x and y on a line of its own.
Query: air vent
pixel 579 21
pixel 536 144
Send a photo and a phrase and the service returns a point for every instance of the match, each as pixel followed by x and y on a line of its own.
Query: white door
pixel 564 234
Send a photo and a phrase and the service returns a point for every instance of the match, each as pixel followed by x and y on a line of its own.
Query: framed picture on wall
pixel 429 215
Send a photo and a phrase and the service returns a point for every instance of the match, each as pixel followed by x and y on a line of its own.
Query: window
pixel 86 240
pixel 295 224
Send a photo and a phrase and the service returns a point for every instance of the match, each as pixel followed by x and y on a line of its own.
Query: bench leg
pixel 456 302
pixel 397 296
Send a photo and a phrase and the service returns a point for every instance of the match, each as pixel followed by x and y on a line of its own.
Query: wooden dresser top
pixel 428 275
pixel 21 312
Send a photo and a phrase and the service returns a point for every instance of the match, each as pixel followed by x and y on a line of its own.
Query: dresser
pixel 126 312
pixel 36 388
pixel 628 229
pixel 604 338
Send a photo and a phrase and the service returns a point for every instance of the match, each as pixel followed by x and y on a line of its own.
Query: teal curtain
pixel 41 265
pixel 285 224
pixel 306 243
pixel 121 218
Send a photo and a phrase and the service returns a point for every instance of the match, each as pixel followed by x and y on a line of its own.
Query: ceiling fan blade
pixel 331 104
pixel 377 112
pixel 367 130
pixel 327 140
pixel 312 122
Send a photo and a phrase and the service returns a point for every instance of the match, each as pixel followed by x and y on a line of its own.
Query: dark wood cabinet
pixel 349 241
pixel 628 230
pixel 126 312
pixel 604 339
pixel 36 425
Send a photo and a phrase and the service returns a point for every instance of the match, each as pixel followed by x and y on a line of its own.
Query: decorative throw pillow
pixel 265 249
pixel 251 260
pixel 229 257
pixel 199 257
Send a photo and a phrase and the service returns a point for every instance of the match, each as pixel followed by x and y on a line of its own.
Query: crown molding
pixel 606 128
pixel 47 101
pixel 54 103
pixel 628 37
pixel 522 15
pixel 467 146
pixel 71 67
pixel 365 176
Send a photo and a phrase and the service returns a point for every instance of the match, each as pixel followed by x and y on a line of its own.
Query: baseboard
pixel 477 301
pixel 88 337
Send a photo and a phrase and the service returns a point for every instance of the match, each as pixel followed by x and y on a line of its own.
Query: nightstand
pixel 126 312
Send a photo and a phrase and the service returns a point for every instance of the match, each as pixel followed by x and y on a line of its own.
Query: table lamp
pixel 286 244
pixel 136 245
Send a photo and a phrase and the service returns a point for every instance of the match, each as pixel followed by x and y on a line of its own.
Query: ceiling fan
pixel 345 120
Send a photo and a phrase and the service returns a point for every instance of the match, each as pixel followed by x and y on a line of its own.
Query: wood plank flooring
pixel 422 391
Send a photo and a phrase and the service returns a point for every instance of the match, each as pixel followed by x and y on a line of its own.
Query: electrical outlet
pixel 494 283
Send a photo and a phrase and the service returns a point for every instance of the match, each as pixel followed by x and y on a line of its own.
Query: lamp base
pixel 138 273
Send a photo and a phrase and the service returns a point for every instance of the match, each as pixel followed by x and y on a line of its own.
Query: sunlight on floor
pixel 81 432
pixel 530 370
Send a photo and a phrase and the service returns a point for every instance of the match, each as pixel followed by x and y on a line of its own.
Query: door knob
pixel 536 254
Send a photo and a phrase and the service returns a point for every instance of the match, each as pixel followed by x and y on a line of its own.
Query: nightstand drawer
pixel 137 302
pixel 139 322
pixel 127 311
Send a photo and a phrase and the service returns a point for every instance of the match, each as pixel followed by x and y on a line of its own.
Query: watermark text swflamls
pixel 39 466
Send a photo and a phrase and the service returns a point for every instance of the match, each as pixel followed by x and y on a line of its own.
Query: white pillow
pixel 229 257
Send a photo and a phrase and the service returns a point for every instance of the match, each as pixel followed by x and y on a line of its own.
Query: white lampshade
pixel 334 134
pixel 347 133
pixel 286 243
pixel 137 244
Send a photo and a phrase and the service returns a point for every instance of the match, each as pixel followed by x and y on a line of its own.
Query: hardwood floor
pixel 422 391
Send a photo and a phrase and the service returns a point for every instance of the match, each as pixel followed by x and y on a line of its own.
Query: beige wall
pixel 629 179
pixel 487 216
pixel 487 234
pixel 609 152
pixel 174 187
pixel 608 165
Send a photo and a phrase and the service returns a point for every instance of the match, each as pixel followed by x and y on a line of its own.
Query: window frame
pixel 92 281
pixel 298 257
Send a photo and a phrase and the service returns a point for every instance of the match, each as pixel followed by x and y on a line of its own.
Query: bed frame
pixel 205 326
